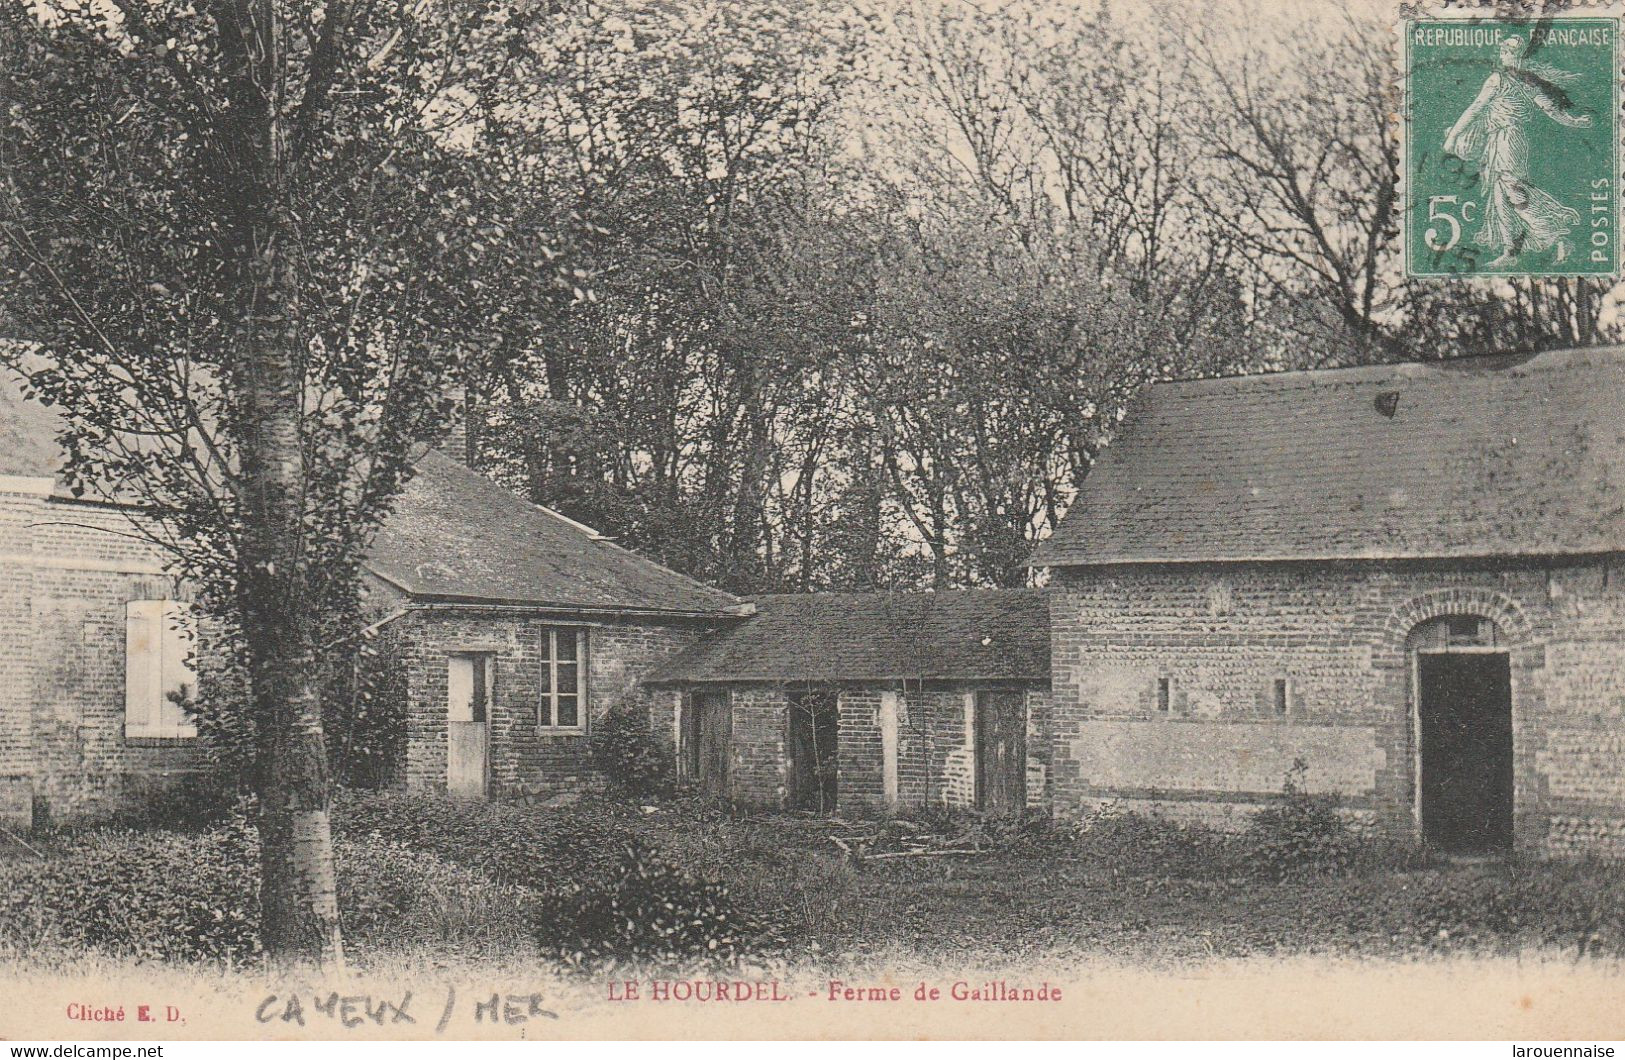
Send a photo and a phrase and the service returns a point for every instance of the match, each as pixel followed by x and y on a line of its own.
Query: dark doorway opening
pixel 1001 751
pixel 1464 711
pixel 707 735
pixel 814 743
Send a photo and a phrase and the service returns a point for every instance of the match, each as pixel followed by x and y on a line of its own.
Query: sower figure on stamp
pixel 1518 216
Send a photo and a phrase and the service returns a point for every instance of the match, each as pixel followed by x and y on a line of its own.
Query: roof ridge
pixel 984 590
pixel 504 545
pixel 1513 359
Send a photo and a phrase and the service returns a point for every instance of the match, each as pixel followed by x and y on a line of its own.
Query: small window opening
pixel 1283 694
pixel 1463 626
pixel 1470 631
pixel 1165 690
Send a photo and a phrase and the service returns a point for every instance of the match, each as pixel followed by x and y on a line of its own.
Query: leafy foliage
pixel 391 895
pixel 362 678
pixel 518 845
pixel 156 895
pixel 600 892
pixel 1573 906
pixel 626 752
pixel 244 247
pixel 1146 844
pixel 645 909
pixel 1301 832
pixel 192 802
pixel 192 897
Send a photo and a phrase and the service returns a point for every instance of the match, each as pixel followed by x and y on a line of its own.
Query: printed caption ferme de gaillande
pixel 835 990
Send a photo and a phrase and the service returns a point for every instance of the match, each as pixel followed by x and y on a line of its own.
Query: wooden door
pixel 468 700
pixel 710 740
pixel 1001 751
pixel 814 745
pixel 1464 710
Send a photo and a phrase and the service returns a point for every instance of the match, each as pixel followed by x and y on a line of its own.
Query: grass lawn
pixel 473 879
pixel 1155 930
pixel 1136 890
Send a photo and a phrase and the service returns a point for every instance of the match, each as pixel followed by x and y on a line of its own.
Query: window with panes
pixel 562 703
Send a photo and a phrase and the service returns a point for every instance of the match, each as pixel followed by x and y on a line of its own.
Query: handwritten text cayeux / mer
pixel 359 1010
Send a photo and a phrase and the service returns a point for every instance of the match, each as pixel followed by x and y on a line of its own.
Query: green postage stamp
pixel 1512 146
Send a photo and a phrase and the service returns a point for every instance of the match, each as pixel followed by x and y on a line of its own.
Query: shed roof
pixel 1475 457
pixel 970 635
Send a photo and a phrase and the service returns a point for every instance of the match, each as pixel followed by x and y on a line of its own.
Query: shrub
pixel 364 711
pixel 644 909
pixel 625 751
pixel 362 680
pixel 1138 844
pixel 1574 906
pixel 536 849
pixel 390 894
pixel 156 895
pixel 194 897
pixel 1300 833
pixel 194 803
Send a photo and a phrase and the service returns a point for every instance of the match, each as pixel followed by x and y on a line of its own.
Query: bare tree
pixel 1300 171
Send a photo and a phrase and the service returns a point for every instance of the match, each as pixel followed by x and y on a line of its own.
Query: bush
pixel 155 895
pixel 364 712
pixel 362 680
pixel 538 850
pixel 194 897
pixel 196 802
pixel 625 751
pixel 644 909
pixel 1137 844
pixel 390 894
pixel 1300 833
pixel 1574 906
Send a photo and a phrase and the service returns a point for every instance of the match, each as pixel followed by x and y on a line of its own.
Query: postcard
pixel 811 519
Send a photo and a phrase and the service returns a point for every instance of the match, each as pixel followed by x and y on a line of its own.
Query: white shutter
pixel 143 667
pixel 159 639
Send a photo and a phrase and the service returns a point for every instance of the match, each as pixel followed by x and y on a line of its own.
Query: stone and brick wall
pixel 67 570
pixel 525 757
pixel 1221 636
pixel 898 749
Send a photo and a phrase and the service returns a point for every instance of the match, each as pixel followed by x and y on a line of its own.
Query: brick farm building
pixel 1407 578
pixel 871 702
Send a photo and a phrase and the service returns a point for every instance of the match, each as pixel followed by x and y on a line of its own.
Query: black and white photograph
pixel 811 519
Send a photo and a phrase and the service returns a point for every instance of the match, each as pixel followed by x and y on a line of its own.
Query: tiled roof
pixel 457 536
pixel 454 536
pixel 1480 456
pixel 981 634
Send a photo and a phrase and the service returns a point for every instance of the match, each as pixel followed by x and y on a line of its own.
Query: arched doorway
pixel 1462 683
